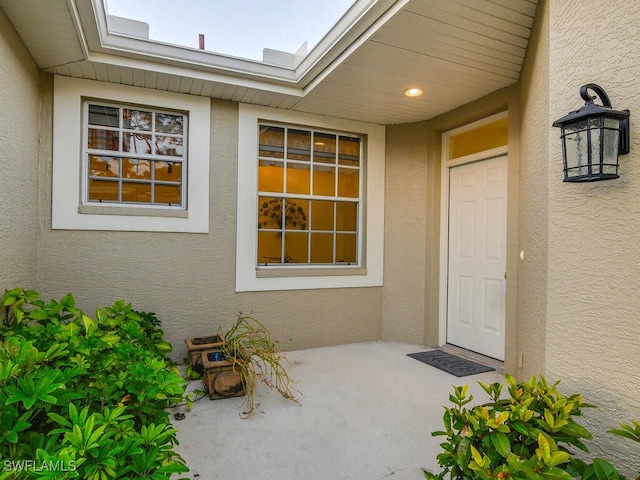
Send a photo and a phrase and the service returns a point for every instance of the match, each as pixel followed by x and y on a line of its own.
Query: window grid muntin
pixel 309 231
pixel 336 165
pixel 154 158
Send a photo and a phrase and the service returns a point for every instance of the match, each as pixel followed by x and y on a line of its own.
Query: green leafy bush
pixel 524 436
pixel 529 434
pixel 83 397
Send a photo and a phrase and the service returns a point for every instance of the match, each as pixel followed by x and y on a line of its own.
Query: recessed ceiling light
pixel 413 92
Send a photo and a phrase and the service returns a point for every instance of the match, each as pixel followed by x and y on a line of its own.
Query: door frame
pixel 446 165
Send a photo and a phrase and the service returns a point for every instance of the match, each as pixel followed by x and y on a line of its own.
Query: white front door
pixel 477 256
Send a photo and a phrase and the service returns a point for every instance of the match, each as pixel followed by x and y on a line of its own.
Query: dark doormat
pixel 460 367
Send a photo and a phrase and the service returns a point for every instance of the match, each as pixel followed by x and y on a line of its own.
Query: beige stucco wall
pixel 533 200
pixel 593 324
pixel 189 279
pixel 19 124
pixel 411 302
pixel 500 101
pixel 406 225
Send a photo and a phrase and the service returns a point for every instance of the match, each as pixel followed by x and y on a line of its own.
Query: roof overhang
pixel 358 23
pixel 358 70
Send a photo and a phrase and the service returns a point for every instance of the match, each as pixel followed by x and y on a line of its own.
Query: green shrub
pixel 600 469
pixel 632 432
pixel 82 397
pixel 529 434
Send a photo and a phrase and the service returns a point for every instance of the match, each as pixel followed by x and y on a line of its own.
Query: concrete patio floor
pixel 367 412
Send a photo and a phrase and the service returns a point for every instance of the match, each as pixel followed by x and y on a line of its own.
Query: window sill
pixel 282 272
pixel 133 211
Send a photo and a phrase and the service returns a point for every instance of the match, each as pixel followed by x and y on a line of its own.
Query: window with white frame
pixel 310 205
pixel 134 155
pixel 129 158
pixel 309 197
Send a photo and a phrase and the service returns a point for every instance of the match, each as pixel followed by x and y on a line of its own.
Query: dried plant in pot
pixel 252 353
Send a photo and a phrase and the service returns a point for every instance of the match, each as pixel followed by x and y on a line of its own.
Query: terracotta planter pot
pixel 220 379
pixel 197 345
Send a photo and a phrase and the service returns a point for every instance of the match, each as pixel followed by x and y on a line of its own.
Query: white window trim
pixel 67 210
pixel 370 273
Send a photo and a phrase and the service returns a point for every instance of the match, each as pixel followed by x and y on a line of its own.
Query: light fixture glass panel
pixel 346 216
pixel 576 148
pixel 321 248
pixel 298 178
pixel 269 248
pixel 346 248
pixel 298 144
pixel 348 182
pixel 296 247
pixel 324 180
pixel 271 176
pixel 596 147
pixel 271 142
pixel 322 215
pixel 611 145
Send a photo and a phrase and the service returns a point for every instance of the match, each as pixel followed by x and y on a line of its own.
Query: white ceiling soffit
pixel 48 29
pixel 454 50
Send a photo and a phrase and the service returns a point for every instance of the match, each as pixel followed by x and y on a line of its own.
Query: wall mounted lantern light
pixel 593 137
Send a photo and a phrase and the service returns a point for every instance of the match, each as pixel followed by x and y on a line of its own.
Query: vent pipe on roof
pixel 201 41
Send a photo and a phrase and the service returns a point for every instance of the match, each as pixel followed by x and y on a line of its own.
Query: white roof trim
pixel 358 24
pixel 200 74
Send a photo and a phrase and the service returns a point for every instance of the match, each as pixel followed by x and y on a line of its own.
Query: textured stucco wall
pixel 500 101
pixel 405 233
pixel 593 324
pixel 19 126
pixel 412 221
pixel 189 279
pixel 534 202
